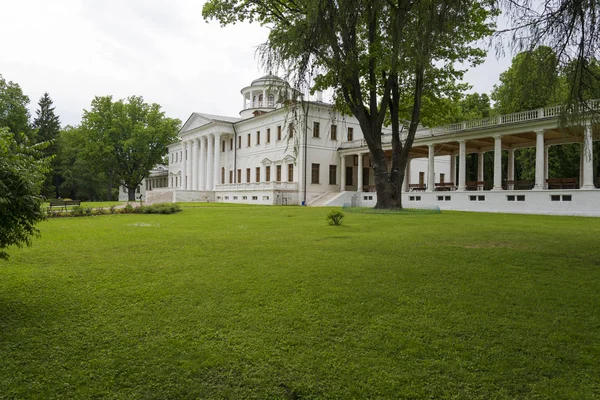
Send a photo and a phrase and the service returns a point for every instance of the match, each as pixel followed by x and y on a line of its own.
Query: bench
pixel 474 185
pixel 562 183
pixel 444 186
pixel 63 203
pixel 415 187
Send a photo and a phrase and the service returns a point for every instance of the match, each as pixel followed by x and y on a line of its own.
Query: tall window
pixel 231 144
pixel 223 144
pixel 350 134
pixel 239 142
pixel 257 137
pixel 333 174
pixel 268 135
pixel 316 127
pixel 222 174
pixel 278 176
pixel 239 177
pixel 257 177
pixel 314 174
pixel 231 176
pixel 442 178
pixel 249 139
pixel 279 132
pixel 290 172
pixel 247 175
pixel 333 132
pixel 291 130
pixel 268 173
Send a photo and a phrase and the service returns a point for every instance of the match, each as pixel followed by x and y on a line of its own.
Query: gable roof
pixel 197 120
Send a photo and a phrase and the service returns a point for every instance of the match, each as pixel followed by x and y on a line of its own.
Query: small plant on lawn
pixel 77 211
pixel 128 209
pixel 112 209
pixel 159 208
pixel 335 217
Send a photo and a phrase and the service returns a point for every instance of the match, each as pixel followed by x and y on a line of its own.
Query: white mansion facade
pixel 284 151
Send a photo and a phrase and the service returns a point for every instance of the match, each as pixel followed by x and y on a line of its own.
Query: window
pixel 271 100
pixel 291 131
pixel 230 176
pixel 333 132
pixel 290 172
pixel 244 197
pixel 239 142
pixel 247 175
pixel 268 135
pixel 257 175
pixel 316 127
pixel 176 157
pixel 186 156
pixel 279 132
pixel 314 174
pixel 265 197
pixel 349 171
pixel 278 171
pixel 222 174
pixel 239 177
pixel 567 197
pixel 510 198
pixel 521 197
pixel 254 197
pixel 442 178
pixel 350 134
pixel 332 174
pixel 231 144
pixel 367 198
pixel 268 173
pixel 249 138
pixel 223 144
pixel 257 137
pixel 235 197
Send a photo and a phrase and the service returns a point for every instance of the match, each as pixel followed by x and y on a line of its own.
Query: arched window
pixel 260 100
pixel 254 101
pixel 271 100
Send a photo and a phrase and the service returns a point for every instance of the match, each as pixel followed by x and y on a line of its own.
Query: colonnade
pixel 201 163
pixel 541 164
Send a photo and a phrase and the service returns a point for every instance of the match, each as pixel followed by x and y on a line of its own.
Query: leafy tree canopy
pixel 125 139
pixel 22 170
pixel 14 114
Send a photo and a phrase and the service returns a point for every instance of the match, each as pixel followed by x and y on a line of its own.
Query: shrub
pixel 112 209
pixel 159 208
pixel 77 211
pixel 128 209
pixel 335 217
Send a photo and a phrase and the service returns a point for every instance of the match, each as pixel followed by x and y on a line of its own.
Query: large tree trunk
pixel 131 194
pixel 387 183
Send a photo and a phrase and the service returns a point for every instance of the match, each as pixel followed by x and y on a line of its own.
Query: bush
pixel 159 208
pixel 77 211
pixel 335 217
pixel 128 209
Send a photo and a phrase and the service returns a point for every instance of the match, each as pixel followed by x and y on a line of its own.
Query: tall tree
pixel 47 126
pixel 379 56
pixel 127 138
pixel 14 114
pixel 22 171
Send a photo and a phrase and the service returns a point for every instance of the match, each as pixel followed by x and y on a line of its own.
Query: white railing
pixel 258 186
pixel 524 116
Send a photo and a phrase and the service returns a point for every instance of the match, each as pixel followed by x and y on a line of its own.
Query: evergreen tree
pixel 47 125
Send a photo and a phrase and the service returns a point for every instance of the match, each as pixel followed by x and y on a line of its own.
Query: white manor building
pixel 283 151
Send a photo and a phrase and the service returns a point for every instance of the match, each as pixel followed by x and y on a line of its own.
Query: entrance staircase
pixel 324 199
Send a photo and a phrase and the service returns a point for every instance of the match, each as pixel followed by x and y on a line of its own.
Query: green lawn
pixel 271 303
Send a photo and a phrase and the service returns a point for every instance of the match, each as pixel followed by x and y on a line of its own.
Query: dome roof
pixel 268 79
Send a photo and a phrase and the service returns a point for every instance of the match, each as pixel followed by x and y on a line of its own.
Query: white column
pixel 546 149
pixel 244 101
pixel 581 157
pixel 431 169
pixel 194 164
pixel 217 166
pixel 539 160
pixel 462 165
pixel 251 101
pixel 264 103
pixel 210 162
pixel 510 168
pixel 480 166
pixel 188 184
pixel 182 184
pixel 263 173
pixel 453 169
pixel 360 175
pixel 342 173
pixel 202 167
pixel 588 159
pixel 284 172
pixel 407 176
pixel 273 172
pixel 226 162
pixel 497 163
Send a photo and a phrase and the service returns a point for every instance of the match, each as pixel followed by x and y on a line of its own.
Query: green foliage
pixel 22 169
pixel 531 82
pixel 125 139
pixel 14 114
pixel 128 209
pixel 159 208
pixel 335 217
pixel 47 128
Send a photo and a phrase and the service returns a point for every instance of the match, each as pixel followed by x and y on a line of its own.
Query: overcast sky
pixel 159 49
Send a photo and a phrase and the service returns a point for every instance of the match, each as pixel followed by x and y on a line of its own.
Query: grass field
pixel 273 303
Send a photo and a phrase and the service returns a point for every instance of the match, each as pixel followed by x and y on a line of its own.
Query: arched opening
pixel 271 100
